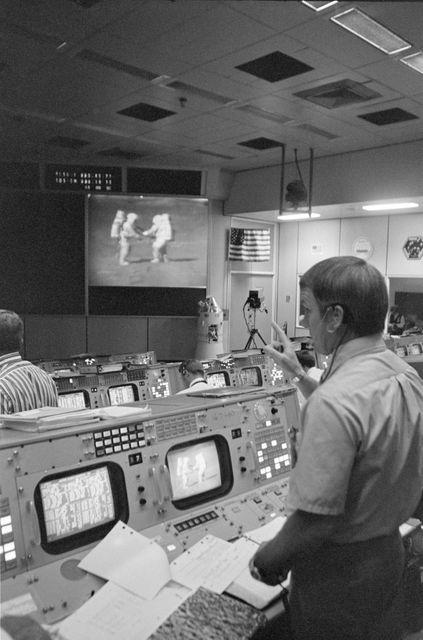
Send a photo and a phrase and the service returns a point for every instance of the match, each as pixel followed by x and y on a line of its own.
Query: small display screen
pixel 76 503
pixel 218 379
pixel 72 400
pixel 122 394
pixel 194 469
pixel 250 376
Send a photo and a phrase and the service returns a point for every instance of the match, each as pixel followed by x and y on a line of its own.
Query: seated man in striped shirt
pixel 23 385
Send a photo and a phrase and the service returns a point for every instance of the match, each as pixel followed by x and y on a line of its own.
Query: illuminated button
pixel 98 435
pixel 106 434
pixel 10 546
pixel 108 442
pixel 11 555
pixel 134 445
pixel 274 443
pixel 284 445
pixel 117 448
pixel 116 440
pixel 5 520
pixel 264 445
pixel 133 436
pixel 124 438
pixel 124 429
pixel 125 446
pixel 115 432
pixel 277 465
pixel 108 450
pixel 7 528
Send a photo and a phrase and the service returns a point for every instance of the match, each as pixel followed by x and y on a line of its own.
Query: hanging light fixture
pixel 296 204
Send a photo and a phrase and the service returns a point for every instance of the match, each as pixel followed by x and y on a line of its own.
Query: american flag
pixel 250 245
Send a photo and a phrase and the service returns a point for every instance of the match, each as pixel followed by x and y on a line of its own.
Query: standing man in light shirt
pixel 23 385
pixel 359 469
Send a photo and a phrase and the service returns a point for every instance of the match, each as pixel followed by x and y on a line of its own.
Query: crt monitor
pixel 74 400
pixel 199 471
pixel 251 376
pixel 218 379
pixel 122 393
pixel 79 506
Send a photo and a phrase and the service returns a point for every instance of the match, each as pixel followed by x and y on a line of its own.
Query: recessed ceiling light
pixel 297 216
pixel 389 207
pixel 415 61
pixel 361 25
pixel 319 6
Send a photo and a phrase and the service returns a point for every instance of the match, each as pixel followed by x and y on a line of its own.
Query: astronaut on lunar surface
pixel 161 229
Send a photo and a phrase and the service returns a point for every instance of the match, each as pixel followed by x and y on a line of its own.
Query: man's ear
pixel 335 319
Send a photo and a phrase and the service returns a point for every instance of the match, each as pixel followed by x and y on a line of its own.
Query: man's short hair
pixel 191 366
pixel 11 331
pixel 354 284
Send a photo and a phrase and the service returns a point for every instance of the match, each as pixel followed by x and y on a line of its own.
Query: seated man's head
pixel 11 331
pixel 191 369
pixel 343 298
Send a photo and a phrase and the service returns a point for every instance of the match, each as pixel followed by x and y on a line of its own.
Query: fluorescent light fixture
pixel 390 207
pixel 297 216
pixel 319 6
pixel 415 61
pixel 361 25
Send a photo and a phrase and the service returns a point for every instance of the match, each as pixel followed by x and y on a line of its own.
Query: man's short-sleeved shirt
pixel 361 446
pixel 24 386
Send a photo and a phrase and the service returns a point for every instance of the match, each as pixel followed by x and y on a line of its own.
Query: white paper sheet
pixel 267 531
pixel 116 614
pixel 211 563
pixel 130 560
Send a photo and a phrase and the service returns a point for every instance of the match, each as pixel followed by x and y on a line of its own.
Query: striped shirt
pixel 24 386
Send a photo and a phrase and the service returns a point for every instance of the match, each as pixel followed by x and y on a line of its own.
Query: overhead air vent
pixel 274 67
pixel 388 116
pixel 85 4
pixel 111 63
pixel 261 143
pixel 215 155
pixel 196 91
pixel 319 132
pixel 120 153
pixel 263 113
pixel 338 94
pixel 67 143
pixel 146 112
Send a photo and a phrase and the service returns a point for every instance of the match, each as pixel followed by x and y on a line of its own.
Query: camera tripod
pixel 253 333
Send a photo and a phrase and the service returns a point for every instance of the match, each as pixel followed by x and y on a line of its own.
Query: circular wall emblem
pixel 362 248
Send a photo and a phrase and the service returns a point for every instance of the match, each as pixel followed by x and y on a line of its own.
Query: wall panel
pixel 173 339
pixel 117 334
pixel 54 337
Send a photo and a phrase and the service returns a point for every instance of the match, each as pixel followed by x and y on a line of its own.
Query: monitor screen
pixel 218 379
pixel 199 471
pixel 79 506
pixel 73 400
pixel 251 376
pixel 122 394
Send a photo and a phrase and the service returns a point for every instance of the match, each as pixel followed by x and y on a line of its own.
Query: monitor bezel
pixel 221 372
pixel 226 472
pixel 84 393
pixel 258 371
pixel 87 536
pixel 119 386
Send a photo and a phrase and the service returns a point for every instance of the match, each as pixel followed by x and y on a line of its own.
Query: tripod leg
pixel 261 337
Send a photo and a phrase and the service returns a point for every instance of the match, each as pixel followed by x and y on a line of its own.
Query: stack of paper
pixel 47 418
